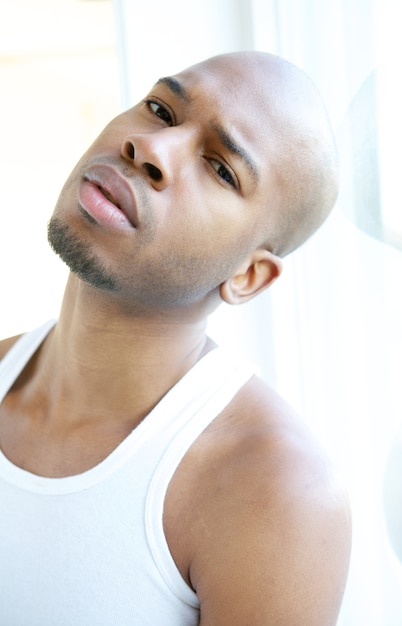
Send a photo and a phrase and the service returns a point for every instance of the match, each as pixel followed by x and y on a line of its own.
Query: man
pixel 146 476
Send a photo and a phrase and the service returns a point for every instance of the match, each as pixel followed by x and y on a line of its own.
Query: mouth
pixel 108 196
pixel 105 190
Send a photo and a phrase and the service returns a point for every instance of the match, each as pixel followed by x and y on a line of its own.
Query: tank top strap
pixel 220 375
pixel 19 355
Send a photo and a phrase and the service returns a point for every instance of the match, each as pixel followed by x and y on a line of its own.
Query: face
pixel 168 201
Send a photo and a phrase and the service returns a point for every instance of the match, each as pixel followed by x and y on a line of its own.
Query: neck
pixel 101 362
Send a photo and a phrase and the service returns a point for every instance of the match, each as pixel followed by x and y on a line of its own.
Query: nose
pixel 160 155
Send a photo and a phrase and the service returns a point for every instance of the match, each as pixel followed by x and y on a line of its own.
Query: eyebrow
pixel 175 87
pixel 237 150
pixel 179 90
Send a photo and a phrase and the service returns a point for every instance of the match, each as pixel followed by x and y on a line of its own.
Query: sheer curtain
pixel 342 298
pixel 327 335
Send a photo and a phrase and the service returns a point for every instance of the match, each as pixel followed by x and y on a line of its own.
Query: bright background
pixel 328 334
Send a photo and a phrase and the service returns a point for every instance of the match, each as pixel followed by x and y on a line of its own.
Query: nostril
pixel 153 171
pixel 130 150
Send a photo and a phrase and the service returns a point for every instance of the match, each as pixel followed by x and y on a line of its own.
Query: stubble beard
pixel 177 281
pixel 78 256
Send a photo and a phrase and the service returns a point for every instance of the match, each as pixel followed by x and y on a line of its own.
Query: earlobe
pixel 255 274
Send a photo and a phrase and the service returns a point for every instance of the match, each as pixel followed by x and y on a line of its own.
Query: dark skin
pixel 266 541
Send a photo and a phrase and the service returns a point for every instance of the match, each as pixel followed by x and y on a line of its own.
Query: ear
pixel 257 272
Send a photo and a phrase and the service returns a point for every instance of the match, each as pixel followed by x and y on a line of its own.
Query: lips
pixel 108 198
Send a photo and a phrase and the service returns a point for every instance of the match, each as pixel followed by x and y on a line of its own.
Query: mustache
pixel 138 182
pixel 118 163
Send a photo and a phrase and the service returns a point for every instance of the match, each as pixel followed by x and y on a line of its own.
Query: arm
pixel 274 546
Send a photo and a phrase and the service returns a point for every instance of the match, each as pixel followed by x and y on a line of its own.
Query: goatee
pixel 78 256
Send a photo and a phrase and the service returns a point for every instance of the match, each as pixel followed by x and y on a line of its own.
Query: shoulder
pixel 260 436
pixel 273 530
pixel 270 456
pixel 6 345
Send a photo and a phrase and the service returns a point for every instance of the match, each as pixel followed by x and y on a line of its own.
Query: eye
pixel 223 172
pixel 160 111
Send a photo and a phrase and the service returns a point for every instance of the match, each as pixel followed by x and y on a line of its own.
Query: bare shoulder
pixel 267 441
pixel 6 344
pixel 273 540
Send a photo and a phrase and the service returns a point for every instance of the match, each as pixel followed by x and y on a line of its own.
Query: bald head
pixel 288 114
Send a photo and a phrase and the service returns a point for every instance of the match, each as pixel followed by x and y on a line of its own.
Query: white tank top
pixel 89 549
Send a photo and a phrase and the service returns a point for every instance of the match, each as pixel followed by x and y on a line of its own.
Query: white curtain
pixel 328 334
pixel 343 299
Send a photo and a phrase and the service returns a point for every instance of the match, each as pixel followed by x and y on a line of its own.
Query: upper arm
pixel 277 547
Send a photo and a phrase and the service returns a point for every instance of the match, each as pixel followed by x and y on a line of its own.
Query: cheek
pixel 200 205
pixel 209 247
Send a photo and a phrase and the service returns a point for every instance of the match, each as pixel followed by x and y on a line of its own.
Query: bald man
pixel 146 476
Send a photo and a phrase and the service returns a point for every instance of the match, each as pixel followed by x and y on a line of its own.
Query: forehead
pixel 224 75
pixel 225 88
